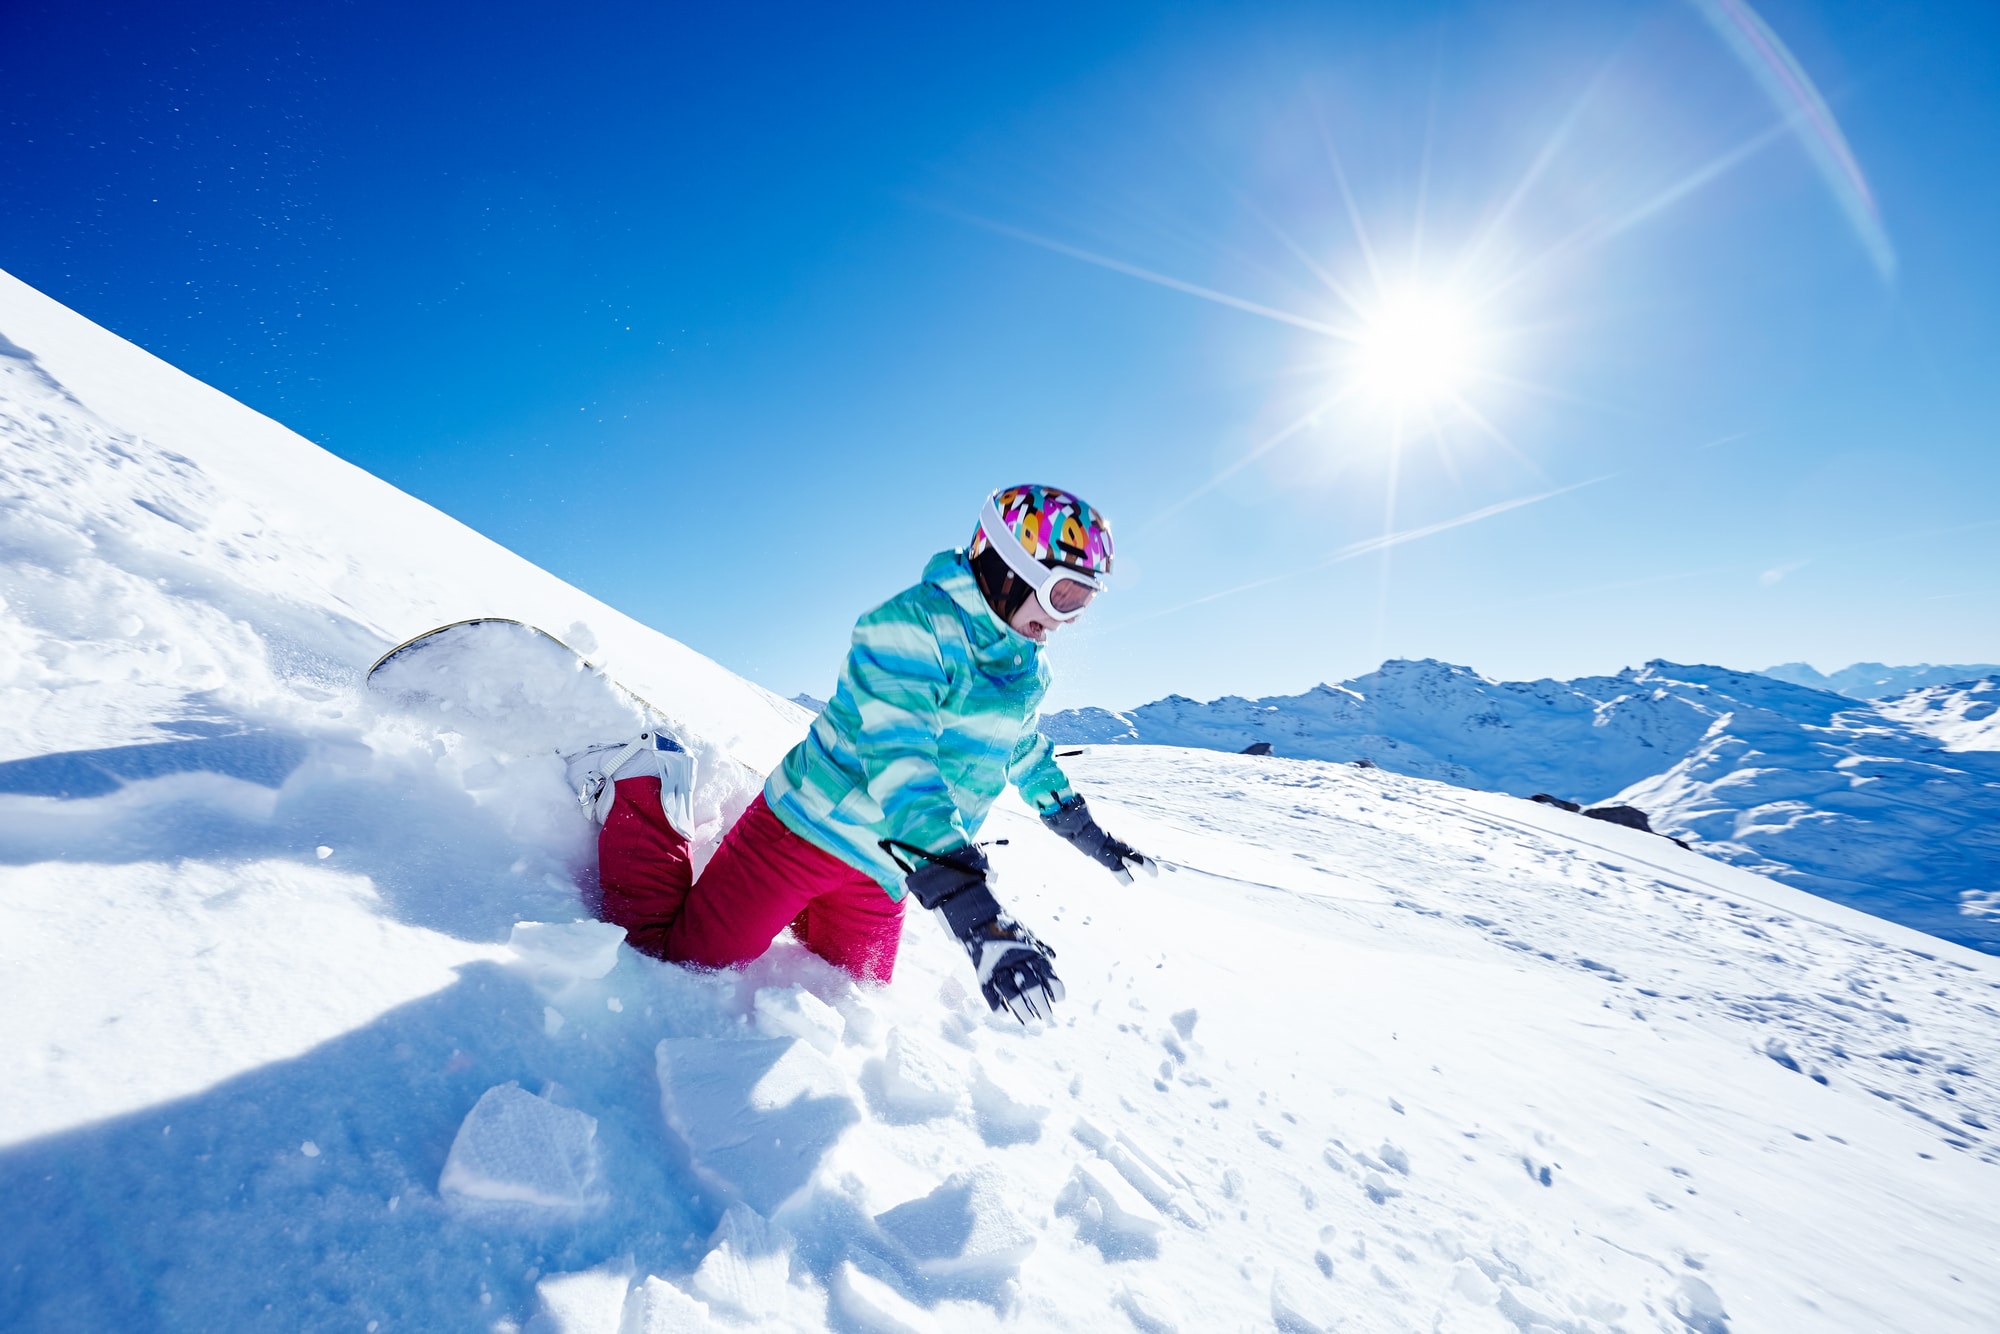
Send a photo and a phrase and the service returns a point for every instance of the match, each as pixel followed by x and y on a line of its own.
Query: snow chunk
pixel 658 1307
pixel 1140 1169
pixel 794 1012
pixel 864 1026
pixel 1001 1119
pixel 962 1230
pixel 591 1301
pixel 1469 1281
pixel 914 1081
pixel 757 1115
pixel 517 1149
pixel 1110 1214
pixel 870 1305
pixel 567 951
pixel 748 1268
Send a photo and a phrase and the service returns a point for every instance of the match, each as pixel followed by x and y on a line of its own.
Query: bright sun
pixel 1416 350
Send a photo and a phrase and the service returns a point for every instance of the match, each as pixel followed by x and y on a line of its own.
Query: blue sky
pixel 1633 343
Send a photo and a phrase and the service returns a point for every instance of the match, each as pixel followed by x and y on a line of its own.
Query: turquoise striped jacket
pixel 935 713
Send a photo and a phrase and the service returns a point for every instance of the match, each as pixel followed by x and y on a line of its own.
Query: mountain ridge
pixel 1887 805
pixel 1875 680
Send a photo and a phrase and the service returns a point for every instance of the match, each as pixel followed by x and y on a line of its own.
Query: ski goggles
pixel 1063 592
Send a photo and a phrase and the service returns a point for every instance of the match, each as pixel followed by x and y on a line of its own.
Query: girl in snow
pixel 934 714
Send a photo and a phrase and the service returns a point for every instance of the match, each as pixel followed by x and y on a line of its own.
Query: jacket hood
pixel 995 643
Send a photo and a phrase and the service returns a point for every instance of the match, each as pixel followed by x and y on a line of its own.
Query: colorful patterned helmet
pixel 1041 542
pixel 1052 526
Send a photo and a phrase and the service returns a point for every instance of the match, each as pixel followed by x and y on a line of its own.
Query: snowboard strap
pixel 592 791
pixel 631 748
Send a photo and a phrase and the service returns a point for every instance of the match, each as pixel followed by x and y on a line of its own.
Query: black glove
pixel 1016 972
pixel 1072 821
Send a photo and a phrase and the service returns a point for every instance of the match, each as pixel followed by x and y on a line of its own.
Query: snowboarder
pixel 934 714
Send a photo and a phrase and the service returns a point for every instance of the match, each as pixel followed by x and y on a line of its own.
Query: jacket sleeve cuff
pixel 1046 802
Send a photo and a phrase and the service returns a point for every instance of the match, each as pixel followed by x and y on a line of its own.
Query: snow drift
pixel 303 1032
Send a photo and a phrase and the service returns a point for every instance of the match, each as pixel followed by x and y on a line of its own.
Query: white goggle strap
pixel 1032 572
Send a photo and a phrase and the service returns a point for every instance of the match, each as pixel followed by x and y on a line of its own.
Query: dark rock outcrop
pixel 1629 816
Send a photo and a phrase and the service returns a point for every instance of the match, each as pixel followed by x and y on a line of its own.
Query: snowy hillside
pixel 1964 716
pixel 1874 680
pixel 303 1034
pixel 1870 806
pixel 1881 805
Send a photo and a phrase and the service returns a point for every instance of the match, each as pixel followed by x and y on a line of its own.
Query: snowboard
pixel 519 694
pixel 512 686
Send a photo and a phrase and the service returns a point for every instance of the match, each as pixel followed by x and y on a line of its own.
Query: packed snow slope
pixel 1891 806
pixel 303 1032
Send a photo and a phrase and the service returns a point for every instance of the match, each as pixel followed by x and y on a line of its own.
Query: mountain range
pixel 1891 805
pixel 1874 680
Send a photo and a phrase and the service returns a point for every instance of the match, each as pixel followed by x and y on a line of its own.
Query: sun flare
pixel 1416 350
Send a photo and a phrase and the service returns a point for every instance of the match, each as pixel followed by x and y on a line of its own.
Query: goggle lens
pixel 1070 596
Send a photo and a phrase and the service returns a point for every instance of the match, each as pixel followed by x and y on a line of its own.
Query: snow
pixel 517 1149
pixel 512 689
pixel 1375 1053
pixel 795 1012
pixel 658 1307
pixel 1865 807
pixel 594 1299
pixel 1884 805
pixel 915 1080
pixel 581 951
pixel 1964 715
pixel 133 982
pixel 755 1116
pixel 1110 1214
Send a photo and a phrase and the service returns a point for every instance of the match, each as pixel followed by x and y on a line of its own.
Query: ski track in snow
pixel 1376 1053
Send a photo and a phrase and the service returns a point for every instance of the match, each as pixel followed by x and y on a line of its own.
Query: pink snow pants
pixel 762 879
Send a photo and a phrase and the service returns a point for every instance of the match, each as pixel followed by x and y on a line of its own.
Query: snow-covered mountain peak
pixel 1734 689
